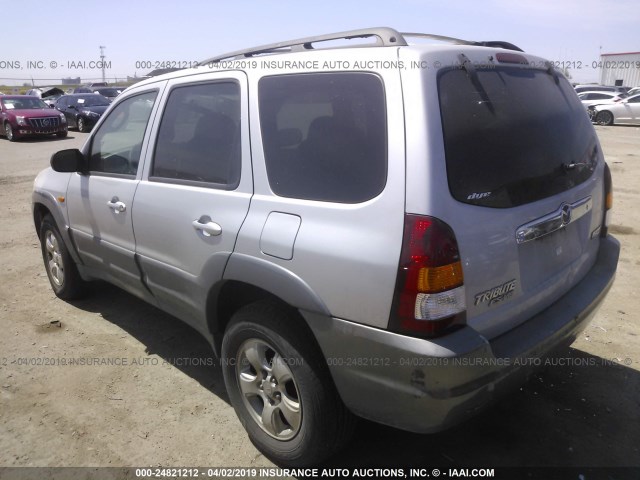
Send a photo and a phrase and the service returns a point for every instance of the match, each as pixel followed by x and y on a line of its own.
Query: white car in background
pixel 626 111
pixel 598 88
pixel 596 98
pixel 634 91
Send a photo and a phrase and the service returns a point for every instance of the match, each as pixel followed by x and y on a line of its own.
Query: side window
pixel 324 135
pixel 199 136
pixel 117 144
pixel 635 99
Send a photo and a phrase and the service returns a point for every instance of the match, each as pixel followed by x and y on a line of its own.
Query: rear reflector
pixel 430 294
pixel 608 201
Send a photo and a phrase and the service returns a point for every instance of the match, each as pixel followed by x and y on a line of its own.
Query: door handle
pixel 116 205
pixel 208 227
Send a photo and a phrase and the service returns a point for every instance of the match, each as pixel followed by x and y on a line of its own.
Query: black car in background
pixel 82 110
pixel 110 92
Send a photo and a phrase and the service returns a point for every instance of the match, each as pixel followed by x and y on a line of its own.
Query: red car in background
pixel 26 116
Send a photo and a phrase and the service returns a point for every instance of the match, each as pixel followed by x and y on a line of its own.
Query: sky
pixel 139 34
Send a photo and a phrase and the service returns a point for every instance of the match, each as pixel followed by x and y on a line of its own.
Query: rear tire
pixel 61 269
pixel 280 386
pixel 82 125
pixel 604 118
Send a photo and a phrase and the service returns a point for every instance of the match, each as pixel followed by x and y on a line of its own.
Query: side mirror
pixel 72 107
pixel 51 105
pixel 70 160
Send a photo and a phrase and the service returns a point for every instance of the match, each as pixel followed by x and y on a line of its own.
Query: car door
pixel 629 111
pixel 195 191
pixel 68 107
pixel 99 202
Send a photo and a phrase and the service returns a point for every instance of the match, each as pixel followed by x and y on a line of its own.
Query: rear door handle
pixel 116 205
pixel 208 227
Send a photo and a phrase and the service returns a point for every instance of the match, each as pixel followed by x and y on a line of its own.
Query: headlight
pixel 21 120
pixel 91 114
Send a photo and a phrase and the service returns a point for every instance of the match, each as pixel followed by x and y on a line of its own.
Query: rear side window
pixel 513 136
pixel 324 135
pixel 199 137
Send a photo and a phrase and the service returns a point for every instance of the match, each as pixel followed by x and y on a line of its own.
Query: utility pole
pixel 102 61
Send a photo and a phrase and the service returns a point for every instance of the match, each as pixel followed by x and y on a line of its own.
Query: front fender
pixel 47 198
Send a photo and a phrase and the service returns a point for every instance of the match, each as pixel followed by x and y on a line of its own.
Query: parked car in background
pixel 83 90
pixel 27 115
pixel 110 92
pixel 49 95
pixel 82 110
pixel 599 88
pixel 626 111
pixel 633 91
pixel 594 98
pixel 98 84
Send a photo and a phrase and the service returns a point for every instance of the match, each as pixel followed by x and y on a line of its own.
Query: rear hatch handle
pixel 566 214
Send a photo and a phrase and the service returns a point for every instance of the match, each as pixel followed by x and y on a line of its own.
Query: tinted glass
pixel 93 100
pixel 513 136
pixel 199 138
pixel 117 144
pixel 324 135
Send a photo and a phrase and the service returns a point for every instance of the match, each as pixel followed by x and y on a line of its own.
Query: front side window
pixel 324 135
pixel 116 146
pixel 199 137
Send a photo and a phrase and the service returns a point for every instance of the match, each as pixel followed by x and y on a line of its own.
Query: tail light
pixel 430 296
pixel 608 201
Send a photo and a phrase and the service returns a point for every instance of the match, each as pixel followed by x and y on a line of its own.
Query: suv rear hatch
pixel 523 170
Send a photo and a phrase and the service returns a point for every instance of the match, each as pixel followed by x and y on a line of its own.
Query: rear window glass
pixel 513 136
pixel 324 135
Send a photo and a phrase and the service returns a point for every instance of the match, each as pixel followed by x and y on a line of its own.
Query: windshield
pixel 23 103
pixel 94 100
pixel 109 92
pixel 513 136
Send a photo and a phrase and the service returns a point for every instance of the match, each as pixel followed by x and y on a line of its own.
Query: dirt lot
pixel 154 408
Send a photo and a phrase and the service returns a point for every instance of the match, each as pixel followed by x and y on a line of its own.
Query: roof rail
pixel 458 41
pixel 385 37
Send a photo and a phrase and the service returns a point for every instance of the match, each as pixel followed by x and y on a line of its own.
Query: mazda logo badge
pixel 566 214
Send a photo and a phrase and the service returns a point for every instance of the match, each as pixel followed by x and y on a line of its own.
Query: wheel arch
pixel 269 282
pixel 43 204
pixel 605 110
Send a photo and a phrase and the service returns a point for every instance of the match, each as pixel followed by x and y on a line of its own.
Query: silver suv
pixel 391 231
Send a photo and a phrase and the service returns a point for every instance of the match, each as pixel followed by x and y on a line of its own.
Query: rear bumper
pixel 428 385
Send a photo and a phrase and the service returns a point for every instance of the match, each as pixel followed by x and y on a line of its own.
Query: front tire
pixel 61 269
pixel 604 118
pixel 62 134
pixel 82 125
pixel 8 131
pixel 280 387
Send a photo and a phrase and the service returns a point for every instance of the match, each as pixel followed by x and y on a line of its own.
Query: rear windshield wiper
pixel 473 76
